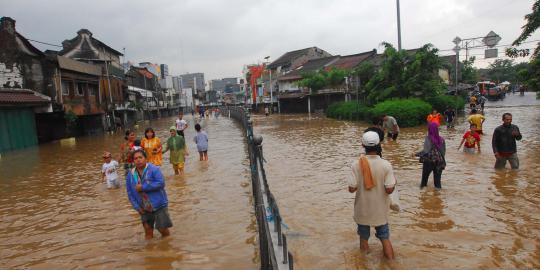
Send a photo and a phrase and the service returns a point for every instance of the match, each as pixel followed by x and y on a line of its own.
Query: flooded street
pixel 482 219
pixel 57 213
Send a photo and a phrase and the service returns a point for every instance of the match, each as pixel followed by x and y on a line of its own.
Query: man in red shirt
pixel 471 139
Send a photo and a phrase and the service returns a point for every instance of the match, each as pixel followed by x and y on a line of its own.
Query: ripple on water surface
pixel 57 214
pixel 482 219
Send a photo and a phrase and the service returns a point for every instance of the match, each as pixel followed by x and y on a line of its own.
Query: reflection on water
pixel 482 219
pixel 57 213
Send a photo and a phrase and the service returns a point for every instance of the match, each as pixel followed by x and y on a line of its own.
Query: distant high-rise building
pixel 219 85
pixel 192 80
pixel 164 71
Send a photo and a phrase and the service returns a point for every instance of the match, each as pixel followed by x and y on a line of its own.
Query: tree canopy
pixel 532 24
pixel 405 74
pixel 321 79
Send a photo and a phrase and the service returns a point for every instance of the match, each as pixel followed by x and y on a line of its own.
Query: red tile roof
pixel 22 97
pixel 351 61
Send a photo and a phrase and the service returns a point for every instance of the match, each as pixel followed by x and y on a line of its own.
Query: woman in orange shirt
pixel 434 117
pixel 152 146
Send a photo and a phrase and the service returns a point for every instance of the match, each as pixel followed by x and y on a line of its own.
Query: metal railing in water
pixel 273 248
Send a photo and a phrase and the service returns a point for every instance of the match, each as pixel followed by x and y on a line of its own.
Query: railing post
pixel 268 255
pixel 285 251
pixel 291 261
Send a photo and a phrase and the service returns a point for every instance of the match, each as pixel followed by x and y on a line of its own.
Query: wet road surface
pixel 482 219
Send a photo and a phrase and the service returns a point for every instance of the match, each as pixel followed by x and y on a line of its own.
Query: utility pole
pixel 271 94
pixel 398 26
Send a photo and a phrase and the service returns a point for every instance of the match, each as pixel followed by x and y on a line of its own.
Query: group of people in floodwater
pixel 142 161
pixel 372 178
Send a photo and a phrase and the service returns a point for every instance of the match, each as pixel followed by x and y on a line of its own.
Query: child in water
pixel 201 139
pixel 137 145
pixel 109 171
pixel 471 139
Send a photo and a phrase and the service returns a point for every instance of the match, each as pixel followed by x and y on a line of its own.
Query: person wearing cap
pixel 372 179
pixel 109 171
pixel 177 145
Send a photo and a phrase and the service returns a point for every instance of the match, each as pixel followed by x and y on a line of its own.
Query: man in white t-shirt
pixel 109 171
pixel 372 179
pixel 181 124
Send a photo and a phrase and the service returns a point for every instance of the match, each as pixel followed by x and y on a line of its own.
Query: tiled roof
pixel 85 50
pixel 351 61
pixel 290 56
pixel 311 65
pixel 9 96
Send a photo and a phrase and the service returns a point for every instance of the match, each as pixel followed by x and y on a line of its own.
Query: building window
pixel 79 89
pixel 65 88
pixel 92 89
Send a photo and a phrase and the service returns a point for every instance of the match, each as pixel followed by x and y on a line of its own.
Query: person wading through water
pixel 372 179
pixel 145 187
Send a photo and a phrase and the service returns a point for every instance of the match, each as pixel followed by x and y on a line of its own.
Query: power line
pixel 480 54
pixel 45 43
pixel 498 46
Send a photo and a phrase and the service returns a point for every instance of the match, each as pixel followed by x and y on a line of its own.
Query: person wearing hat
pixel 177 145
pixel 372 179
pixel 109 171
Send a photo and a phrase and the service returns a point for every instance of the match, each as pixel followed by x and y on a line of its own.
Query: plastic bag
pixel 394 200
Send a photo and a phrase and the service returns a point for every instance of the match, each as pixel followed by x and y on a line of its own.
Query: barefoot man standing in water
pixel 372 178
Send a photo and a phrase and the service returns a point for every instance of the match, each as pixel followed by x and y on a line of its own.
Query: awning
pixel 73 65
pixel 143 92
pixel 22 97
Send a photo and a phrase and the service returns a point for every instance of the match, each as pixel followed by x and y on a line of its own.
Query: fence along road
pixel 273 248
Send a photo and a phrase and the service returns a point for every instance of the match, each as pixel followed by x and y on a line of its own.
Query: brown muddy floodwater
pixel 56 213
pixel 482 219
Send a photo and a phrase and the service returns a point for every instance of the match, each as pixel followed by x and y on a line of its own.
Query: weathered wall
pixel 21 64
pixel 10 77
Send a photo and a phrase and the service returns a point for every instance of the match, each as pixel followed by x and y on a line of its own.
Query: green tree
pixel 361 75
pixel 502 70
pixel 529 74
pixel 406 74
pixel 389 78
pixel 469 74
pixel 533 22
pixel 321 79
pixel 313 80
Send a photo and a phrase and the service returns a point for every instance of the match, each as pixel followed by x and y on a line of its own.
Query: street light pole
pixel 271 94
pixel 398 26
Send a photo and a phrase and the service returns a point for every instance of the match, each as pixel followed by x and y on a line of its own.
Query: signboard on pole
pixel 491 53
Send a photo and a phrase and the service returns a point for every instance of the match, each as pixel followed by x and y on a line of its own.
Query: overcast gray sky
pixel 220 37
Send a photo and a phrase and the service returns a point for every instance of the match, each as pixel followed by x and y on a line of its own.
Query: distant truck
pixel 495 93
pixel 483 87
pixel 490 90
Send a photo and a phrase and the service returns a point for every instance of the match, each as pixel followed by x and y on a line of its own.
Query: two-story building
pixel 26 89
pixel 285 64
pixel 113 90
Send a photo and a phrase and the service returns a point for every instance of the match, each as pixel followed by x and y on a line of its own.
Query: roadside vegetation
pixel 406 85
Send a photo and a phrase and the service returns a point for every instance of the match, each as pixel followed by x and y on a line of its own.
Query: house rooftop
pixel 309 66
pixel 289 56
pixel 86 51
pixel 353 60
